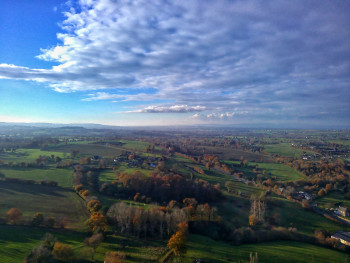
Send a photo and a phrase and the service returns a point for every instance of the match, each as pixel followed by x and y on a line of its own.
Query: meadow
pixel 212 251
pixel 54 202
pixel 28 155
pixel 281 171
pixel 17 241
pixel 88 149
pixel 332 199
pixel 284 149
pixel 290 214
pixel 62 176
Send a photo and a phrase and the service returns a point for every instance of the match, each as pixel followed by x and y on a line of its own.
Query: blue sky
pixel 263 63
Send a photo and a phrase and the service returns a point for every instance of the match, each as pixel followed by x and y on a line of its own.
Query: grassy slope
pixel 292 214
pixel 51 201
pixel 16 243
pixel 134 145
pixel 331 199
pixel 27 155
pixel 281 171
pixel 64 177
pixel 89 150
pixel 283 251
pixel 283 149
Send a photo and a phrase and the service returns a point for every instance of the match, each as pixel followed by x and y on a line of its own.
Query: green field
pixel 27 155
pixel 292 214
pixel 283 149
pixel 344 142
pixel 283 251
pixel 281 171
pixel 16 243
pixel 332 199
pixel 134 145
pixel 244 189
pixel 64 177
pixel 51 201
pixel 88 149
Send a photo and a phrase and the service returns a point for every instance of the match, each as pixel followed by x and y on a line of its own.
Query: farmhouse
pixel 343 237
pixel 342 211
pixel 302 195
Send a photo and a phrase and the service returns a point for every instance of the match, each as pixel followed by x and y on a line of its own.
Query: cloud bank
pixel 271 59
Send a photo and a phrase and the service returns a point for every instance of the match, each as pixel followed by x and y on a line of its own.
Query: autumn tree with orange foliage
pixel 13 215
pixel 94 205
pixel 63 252
pixel 97 221
pixel 253 220
pixel 114 257
pixel 177 242
pixel 94 241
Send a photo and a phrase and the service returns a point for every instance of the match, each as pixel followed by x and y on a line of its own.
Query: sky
pixel 147 62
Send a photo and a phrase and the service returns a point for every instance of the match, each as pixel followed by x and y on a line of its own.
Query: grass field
pixel 88 150
pixel 228 153
pixel 107 175
pixel 283 149
pixel 64 177
pixel 16 243
pixel 248 190
pixel 134 145
pixel 332 199
pixel 281 171
pixel 292 214
pixel 344 142
pixel 27 155
pixel 283 251
pixel 51 201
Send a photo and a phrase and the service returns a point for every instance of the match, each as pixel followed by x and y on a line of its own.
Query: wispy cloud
pixel 271 58
pixel 169 109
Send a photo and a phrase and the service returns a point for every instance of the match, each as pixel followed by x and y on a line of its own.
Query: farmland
pixel 51 201
pixel 285 251
pixel 209 183
pixel 64 177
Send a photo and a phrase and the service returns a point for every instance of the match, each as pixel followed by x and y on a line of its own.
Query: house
pixel 96 158
pixel 302 195
pixel 343 237
pixel 342 211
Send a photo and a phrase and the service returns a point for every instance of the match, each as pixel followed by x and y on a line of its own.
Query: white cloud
pixel 221 54
pixel 169 109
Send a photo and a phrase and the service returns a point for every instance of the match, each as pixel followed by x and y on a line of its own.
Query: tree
pixel 114 257
pixel 328 187
pixel 253 220
pixel 38 219
pixel 97 221
pixel 63 252
pixel 177 242
pixel 94 241
pixel 254 258
pixel 94 205
pixel 208 166
pixel 42 253
pixel 322 192
pixel 50 222
pixel 39 254
pixel 257 209
pixel 13 215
